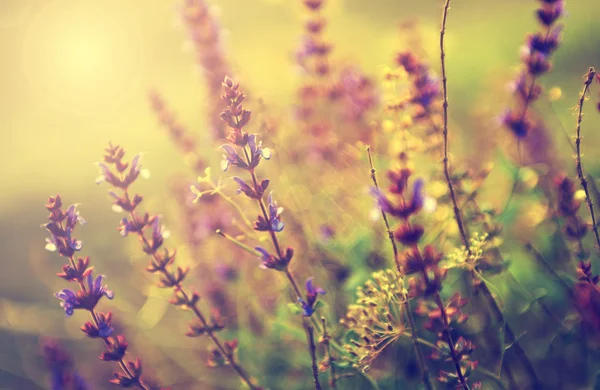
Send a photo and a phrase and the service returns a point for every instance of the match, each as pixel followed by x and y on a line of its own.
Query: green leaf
pixel 319 305
pixel 295 309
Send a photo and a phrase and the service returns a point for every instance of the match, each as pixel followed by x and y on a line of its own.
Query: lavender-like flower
pixel 161 260
pixel 424 264
pixel 274 223
pixel 84 299
pixel 312 293
pixel 270 261
pixel 61 226
pixel 536 61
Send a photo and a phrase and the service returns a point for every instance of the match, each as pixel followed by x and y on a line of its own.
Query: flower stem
pixel 461 227
pixel 194 308
pixel 407 309
pixel 589 78
pixel 312 349
pixel 330 359
pixel 453 354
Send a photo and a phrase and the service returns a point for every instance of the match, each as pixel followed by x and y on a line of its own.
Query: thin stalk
pixel 590 78
pixel 461 227
pixel 312 349
pixel 449 340
pixel 194 308
pixel 325 340
pixel 407 309
pixel 446 160
pixel 279 252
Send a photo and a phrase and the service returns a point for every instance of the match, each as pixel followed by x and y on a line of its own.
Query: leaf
pixel 295 309
pixel 319 305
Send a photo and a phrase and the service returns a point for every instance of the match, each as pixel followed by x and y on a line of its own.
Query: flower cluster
pixel 121 175
pixel 423 264
pixel 424 91
pixel 586 291
pixel 245 152
pixel 180 136
pixel 423 98
pixel 312 293
pixel 360 96
pixel 313 53
pixel 536 60
pixel 205 34
pixel 377 317
pixel 61 224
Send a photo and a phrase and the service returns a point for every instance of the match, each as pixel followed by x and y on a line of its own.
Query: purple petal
pixel 264 253
pixel 418 195
pixel 135 167
pixel 310 288
pixel 90 281
pixel 230 150
pixel 97 283
pixel 252 143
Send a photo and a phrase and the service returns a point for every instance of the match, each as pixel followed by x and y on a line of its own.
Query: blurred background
pixel 76 74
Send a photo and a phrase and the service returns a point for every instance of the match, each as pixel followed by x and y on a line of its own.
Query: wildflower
pixel 536 60
pixel 274 223
pixel 402 209
pixel 77 273
pixel 231 157
pixel 84 299
pixel 61 227
pixel 377 317
pixel 312 293
pixel 257 151
pixel 249 191
pixel 272 262
pixel 115 350
pixel 161 262
pixel 135 368
pixel 520 125
pixel 104 328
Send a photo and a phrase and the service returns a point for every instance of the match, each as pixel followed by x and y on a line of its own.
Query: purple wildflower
pixel 418 197
pixel 70 301
pixel 272 262
pixel 382 201
pixel 257 151
pixel 231 157
pixel 104 328
pixel 312 293
pixel 274 223
pixel 84 299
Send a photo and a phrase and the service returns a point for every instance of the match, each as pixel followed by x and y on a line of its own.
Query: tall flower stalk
pixel 536 61
pixel 424 264
pixel 457 213
pixel 407 309
pixel 121 175
pixel 245 152
pixel 61 225
pixel 589 78
pixel 205 33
